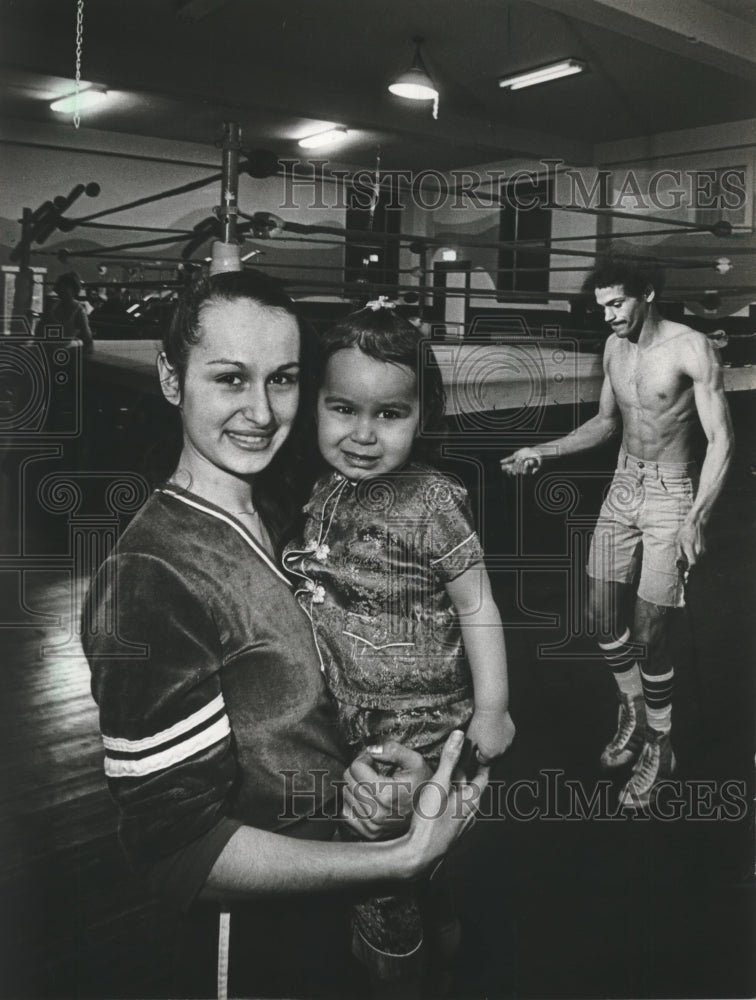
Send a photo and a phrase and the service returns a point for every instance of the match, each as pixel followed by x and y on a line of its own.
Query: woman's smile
pixel 250 440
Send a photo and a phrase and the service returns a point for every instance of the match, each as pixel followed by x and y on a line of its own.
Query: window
pixel 524 217
pixel 719 194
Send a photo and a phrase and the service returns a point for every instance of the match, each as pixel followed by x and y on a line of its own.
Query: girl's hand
pixel 491 732
pixel 442 811
pixel 375 805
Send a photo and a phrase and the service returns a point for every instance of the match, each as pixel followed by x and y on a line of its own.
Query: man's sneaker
pixel 626 743
pixel 656 762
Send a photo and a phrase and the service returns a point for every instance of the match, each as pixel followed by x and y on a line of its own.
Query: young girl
pixel 409 635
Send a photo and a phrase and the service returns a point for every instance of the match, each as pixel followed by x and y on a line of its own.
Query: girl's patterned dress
pixel 375 559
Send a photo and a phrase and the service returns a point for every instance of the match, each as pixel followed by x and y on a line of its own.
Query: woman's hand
pixel 256 862
pixel 443 811
pixel 491 732
pixel 377 806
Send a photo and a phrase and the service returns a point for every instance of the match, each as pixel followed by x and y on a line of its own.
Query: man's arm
pixel 83 329
pixel 594 432
pixel 701 363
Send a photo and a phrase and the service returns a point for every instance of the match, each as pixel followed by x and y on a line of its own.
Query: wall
pixel 656 176
pixel 42 161
pixel 459 220
pixel 651 177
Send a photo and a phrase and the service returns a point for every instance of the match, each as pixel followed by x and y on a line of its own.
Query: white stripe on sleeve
pixel 141 766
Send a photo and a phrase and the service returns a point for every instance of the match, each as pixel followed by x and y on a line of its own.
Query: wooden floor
pixel 75 922
pixel 551 909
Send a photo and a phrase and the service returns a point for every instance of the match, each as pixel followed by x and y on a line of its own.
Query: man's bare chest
pixel 651 379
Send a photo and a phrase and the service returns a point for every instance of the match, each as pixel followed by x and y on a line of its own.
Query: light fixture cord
pixel 376 188
pixel 79 43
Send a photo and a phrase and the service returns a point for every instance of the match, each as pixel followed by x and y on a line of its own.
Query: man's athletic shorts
pixel 645 507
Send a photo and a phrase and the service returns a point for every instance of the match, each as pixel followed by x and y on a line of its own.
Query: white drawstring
pixel 224 943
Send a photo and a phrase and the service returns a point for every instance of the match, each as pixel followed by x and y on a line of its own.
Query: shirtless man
pixel 660 380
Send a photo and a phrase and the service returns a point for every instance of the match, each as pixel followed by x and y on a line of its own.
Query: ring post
pixel 226 252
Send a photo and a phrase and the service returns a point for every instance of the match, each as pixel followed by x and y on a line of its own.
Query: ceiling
pixel 179 68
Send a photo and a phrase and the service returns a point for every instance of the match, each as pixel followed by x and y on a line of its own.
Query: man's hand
pixel 377 806
pixel 491 732
pixel 526 461
pixel 690 543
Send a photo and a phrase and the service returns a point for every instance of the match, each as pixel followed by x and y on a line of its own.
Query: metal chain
pixel 79 40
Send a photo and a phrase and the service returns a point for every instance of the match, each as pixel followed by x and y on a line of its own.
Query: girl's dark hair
pixel 386 336
pixel 283 487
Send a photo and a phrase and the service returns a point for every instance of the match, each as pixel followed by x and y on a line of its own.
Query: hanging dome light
pixel 415 84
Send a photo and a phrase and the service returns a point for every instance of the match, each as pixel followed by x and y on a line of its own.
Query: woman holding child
pixel 221 749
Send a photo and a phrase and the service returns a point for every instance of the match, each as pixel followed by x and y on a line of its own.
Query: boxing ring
pixel 234 236
pixel 477 377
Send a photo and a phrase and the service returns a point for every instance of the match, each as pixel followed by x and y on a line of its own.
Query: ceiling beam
pixel 689 28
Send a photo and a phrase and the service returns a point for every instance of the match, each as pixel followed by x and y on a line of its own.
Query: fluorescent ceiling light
pixel 84 99
pixel 326 138
pixel 554 71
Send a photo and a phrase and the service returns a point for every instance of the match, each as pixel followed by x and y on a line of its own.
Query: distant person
pixel 110 319
pixel 92 299
pixel 661 379
pixel 66 312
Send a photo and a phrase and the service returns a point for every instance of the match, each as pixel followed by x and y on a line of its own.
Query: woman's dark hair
pixel 384 335
pixel 283 487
